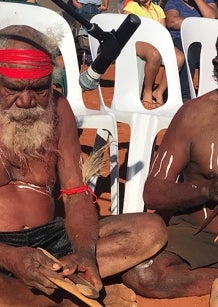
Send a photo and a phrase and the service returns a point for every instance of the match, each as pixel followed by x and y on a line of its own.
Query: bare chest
pixel 39 172
pixel 204 153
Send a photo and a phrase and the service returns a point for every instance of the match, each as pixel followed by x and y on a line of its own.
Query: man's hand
pixel 32 266
pixel 84 265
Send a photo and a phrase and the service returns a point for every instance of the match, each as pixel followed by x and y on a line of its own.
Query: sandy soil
pixel 87 139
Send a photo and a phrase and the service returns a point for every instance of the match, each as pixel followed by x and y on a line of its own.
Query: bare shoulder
pixel 194 116
pixel 201 107
pixel 64 110
pixel 61 101
pixel 65 117
pixel 205 106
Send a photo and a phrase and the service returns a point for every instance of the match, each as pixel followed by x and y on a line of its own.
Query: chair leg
pixel 139 157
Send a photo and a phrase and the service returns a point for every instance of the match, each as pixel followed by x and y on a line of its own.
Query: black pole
pixel 92 29
pixel 127 28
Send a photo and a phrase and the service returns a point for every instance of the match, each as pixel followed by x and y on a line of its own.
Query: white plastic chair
pixel 48 21
pixel 204 31
pixel 126 104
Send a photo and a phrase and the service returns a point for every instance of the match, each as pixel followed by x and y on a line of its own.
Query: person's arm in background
pixel 208 10
pixel 174 20
pixel 76 4
pixel 104 5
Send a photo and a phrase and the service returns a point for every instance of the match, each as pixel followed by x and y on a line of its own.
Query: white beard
pixel 25 131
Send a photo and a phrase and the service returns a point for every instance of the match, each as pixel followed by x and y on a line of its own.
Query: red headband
pixel 39 63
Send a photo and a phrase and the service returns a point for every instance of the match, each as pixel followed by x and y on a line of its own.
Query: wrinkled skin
pixel 27 172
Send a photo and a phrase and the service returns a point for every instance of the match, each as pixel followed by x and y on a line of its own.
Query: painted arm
pixel 162 191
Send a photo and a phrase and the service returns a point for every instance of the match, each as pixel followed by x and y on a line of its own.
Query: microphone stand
pixel 111 44
pixel 92 29
pixel 106 39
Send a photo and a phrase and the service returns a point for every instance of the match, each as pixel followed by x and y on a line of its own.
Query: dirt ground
pixel 87 139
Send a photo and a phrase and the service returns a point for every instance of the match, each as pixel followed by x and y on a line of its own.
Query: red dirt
pixel 87 139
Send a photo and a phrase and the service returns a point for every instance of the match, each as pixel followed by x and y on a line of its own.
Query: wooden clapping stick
pixel 73 289
pixel 82 289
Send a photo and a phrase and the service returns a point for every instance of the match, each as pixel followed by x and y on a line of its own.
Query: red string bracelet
pixel 77 190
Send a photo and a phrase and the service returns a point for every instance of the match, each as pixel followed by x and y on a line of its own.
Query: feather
pixel 94 164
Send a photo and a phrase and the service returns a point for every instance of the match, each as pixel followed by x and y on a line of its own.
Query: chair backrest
pixel 128 74
pixel 204 31
pixel 51 23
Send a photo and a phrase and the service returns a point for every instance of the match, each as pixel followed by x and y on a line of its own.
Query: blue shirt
pixel 183 11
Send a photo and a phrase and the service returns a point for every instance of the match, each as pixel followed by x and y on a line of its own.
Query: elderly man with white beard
pixel 39 145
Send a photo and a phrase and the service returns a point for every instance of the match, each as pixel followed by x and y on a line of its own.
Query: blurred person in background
pixel 176 11
pixel 151 97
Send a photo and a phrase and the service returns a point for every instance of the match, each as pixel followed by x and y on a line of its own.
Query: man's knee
pixel 143 279
pixel 154 230
pixel 155 56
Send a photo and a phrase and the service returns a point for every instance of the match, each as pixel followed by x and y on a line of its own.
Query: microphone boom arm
pixel 111 44
pixel 130 24
pixel 92 29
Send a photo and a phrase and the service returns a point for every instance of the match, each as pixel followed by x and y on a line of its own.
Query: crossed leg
pixel 168 276
pixel 124 241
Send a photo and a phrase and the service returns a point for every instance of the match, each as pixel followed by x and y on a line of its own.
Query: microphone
pixel 111 44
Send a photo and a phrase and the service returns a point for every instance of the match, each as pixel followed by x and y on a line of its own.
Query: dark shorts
pixel 52 237
pixel 197 250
